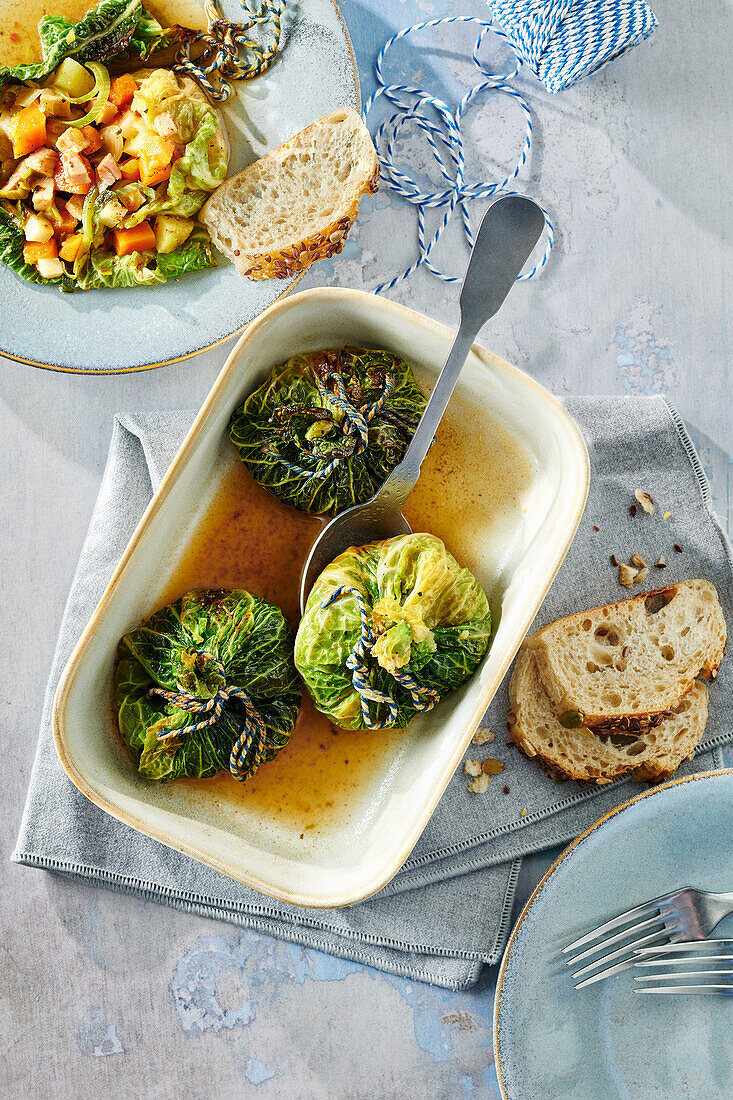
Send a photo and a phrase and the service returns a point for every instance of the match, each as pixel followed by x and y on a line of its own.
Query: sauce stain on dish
pixel 248 539
pixel 19 42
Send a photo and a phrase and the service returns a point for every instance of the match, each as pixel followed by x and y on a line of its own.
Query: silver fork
pixel 686 914
pixel 677 957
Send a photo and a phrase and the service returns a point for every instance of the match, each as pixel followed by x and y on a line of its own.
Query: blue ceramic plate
pixel 605 1042
pixel 106 331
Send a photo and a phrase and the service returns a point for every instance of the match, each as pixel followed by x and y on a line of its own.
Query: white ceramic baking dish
pixel 524 445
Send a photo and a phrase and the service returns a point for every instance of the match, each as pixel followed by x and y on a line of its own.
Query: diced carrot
pixel 155 160
pixel 34 251
pixel 92 140
pixel 64 222
pixel 122 89
pixel 137 239
pixel 130 169
pixel 29 130
pixel 70 248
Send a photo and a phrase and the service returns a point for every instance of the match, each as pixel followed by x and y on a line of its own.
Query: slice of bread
pixel 296 204
pixel 583 755
pixel 624 666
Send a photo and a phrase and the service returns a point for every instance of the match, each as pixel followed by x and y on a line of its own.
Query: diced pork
pixel 43 161
pixel 43 194
pixel 19 176
pixel 71 141
pixel 74 175
pixel 108 171
pixel 165 125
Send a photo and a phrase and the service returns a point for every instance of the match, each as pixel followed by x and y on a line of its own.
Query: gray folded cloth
pixel 447 912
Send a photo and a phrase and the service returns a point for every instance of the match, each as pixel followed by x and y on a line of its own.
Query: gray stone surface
pixel 107 995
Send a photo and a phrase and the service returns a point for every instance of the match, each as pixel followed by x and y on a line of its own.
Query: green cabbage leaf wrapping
pixel 106 269
pixel 288 426
pixel 185 646
pixel 12 240
pixel 431 619
pixel 113 29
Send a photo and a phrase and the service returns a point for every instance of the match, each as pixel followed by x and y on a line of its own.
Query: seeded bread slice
pixel 583 755
pixel 625 665
pixel 297 203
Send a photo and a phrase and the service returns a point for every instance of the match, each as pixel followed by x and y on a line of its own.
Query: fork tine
pixel 632 930
pixel 684 974
pixel 647 908
pixel 626 949
pixel 709 989
pixel 625 963
pixel 686 945
pixel 659 960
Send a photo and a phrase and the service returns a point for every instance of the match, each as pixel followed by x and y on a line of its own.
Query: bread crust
pixel 298 256
pixel 320 246
pixel 575 753
pixel 633 723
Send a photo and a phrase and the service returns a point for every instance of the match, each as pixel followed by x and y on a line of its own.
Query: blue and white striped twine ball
pixel 561 41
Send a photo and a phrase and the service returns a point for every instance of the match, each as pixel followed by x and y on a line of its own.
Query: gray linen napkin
pixel 447 912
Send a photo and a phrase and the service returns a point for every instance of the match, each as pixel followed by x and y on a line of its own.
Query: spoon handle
pixel 508 232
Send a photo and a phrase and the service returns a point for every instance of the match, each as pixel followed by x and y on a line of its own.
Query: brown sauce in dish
pixel 249 539
pixel 19 42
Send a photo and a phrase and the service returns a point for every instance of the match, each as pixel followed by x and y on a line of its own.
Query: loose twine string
pixel 356 422
pixel 423 698
pixel 251 740
pixel 442 130
pixel 224 43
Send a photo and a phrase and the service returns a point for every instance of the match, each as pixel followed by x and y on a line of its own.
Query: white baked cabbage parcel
pixel 429 624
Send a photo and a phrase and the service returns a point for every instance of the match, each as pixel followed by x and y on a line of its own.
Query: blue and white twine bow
pixel 252 739
pixel 560 40
pixel 423 698
pixel 356 422
pixel 224 44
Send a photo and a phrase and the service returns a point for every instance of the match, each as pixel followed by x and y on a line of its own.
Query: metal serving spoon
pixel 509 231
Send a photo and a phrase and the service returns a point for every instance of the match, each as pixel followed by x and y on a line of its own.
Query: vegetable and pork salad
pixel 101 176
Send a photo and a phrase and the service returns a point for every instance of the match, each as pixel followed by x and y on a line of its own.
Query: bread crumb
pixel 491 766
pixel 641 575
pixel 523 812
pixel 480 785
pixel 638 561
pixel 661 564
pixel 626 574
pixel 667 515
pixel 483 736
pixel 472 767
pixel 645 500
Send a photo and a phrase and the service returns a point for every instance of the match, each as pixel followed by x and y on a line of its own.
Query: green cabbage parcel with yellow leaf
pixel 326 428
pixel 205 642
pixel 428 626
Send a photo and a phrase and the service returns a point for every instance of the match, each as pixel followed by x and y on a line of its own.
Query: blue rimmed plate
pixel 110 331
pixel 606 1042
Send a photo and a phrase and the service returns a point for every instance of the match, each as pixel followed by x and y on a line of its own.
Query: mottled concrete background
pixel 104 995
